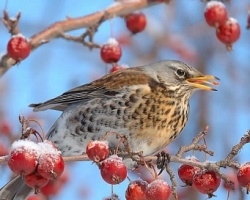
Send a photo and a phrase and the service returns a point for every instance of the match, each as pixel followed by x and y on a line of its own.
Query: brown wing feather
pixel 116 80
pixel 108 85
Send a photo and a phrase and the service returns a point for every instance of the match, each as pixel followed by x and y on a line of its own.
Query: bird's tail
pixel 16 189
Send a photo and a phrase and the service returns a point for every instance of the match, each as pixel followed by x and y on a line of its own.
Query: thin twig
pixel 194 145
pixel 173 181
pixel 11 23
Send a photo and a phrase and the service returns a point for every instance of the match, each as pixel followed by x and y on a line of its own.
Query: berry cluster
pixel 111 51
pixel 18 48
pixel 36 162
pixel 227 29
pixel 141 190
pixel 114 171
pixel 205 181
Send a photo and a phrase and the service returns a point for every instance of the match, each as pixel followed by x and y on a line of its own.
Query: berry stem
pixel 43 134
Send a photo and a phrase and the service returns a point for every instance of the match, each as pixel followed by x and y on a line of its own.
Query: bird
pixel 148 104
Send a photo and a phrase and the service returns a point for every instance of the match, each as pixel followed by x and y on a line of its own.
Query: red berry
pixel 136 22
pixel 228 32
pixel 52 188
pixel 232 176
pixel 206 182
pixel 97 151
pixel 117 68
pixel 50 162
pixel 64 178
pixel 215 13
pixel 158 189
pixel 243 176
pixel 23 157
pixel 113 170
pixel 136 190
pixel 36 181
pixel 111 51
pixel 187 172
pixel 34 197
pixel 18 48
pixel 50 165
pixel 5 128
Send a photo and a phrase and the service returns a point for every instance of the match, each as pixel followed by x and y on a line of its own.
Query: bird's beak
pixel 202 82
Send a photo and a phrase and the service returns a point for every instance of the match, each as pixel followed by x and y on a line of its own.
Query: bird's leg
pixel 162 162
pixel 163 159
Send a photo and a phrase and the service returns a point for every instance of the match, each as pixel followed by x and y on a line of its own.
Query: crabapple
pixel 97 151
pixel 18 48
pixel 113 170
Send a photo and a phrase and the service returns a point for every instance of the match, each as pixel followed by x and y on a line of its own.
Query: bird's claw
pixel 163 158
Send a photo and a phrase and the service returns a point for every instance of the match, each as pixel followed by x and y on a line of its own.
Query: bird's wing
pixel 106 87
pixel 16 189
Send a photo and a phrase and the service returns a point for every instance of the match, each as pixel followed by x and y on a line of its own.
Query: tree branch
pixel 56 30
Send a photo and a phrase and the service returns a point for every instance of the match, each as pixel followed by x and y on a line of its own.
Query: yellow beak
pixel 202 82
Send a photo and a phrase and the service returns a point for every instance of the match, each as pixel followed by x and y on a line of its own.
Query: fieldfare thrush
pixel 148 104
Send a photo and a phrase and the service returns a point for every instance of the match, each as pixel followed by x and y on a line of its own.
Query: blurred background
pixel 174 31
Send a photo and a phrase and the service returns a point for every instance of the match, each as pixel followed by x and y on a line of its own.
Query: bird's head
pixel 178 75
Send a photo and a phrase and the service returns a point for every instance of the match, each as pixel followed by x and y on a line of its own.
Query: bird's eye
pixel 180 73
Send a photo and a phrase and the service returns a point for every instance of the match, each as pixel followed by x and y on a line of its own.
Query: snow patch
pixel 47 147
pixel 25 144
pixel 192 158
pixel 112 41
pixel 124 65
pixel 101 144
pixel 211 4
pixel 13 18
pixel 230 20
pixel 18 35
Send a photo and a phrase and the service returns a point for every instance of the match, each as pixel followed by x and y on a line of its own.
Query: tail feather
pixel 23 192
pixel 42 107
pixel 33 105
pixel 16 189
